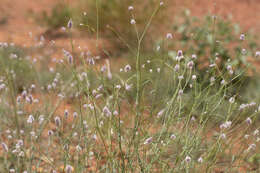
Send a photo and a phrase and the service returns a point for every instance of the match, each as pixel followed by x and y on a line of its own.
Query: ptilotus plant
pixel 159 111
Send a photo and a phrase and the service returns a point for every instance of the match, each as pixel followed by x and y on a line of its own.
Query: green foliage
pixel 59 16
pixel 14 64
pixel 214 37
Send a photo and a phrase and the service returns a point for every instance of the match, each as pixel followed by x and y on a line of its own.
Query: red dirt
pixel 16 21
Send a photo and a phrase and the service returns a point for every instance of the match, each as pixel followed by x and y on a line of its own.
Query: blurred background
pixel 21 18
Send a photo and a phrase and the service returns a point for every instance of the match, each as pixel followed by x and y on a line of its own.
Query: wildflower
pixel 193 56
pixel 132 22
pixel 190 64
pixel 226 125
pixel 200 160
pixel 193 118
pixel 242 37
pixel 169 36
pixel 212 79
pixel 161 3
pixel 130 8
pixel 18 99
pixel 246 136
pixel 177 67
pixel 78 148
pixel 193 77
pixel 151 70
pixel 21 154
pixel 180 92
pixel 103 68
pixel 106 111
pixel 57 121
pixel 243 51
pixel 11 170
pixel 257 54
pixel 128 87
pixel 41 119
pixel 256 132
pixel 232 100
pixel 148 140
pixel 187 159
pixel 75 114
pixel 229 67
pixel 158 70
pixel 251 147
pixel 249 121
pixel 179 55
pixel 30 119
pixel 66 113
pixel 68 169
pixel 212 65
pixel 231 72
pixel 70 24
pixel 115 113
pixel 158 48
pixel 181 77
pixel 50 132
pixel 252 104
pixel 32 133
pixel 127 68
pixel 4 146
pixel 68 56
pixel 118 86
pixel 160 113
pixel 173 137
pixel 90 61
pixel 222 136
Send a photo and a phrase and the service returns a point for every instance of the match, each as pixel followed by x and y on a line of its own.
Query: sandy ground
pixel 16 20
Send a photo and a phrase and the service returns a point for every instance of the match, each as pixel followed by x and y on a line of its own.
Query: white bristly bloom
pixel 187 159
pixel 242 37
pixel 249 121
pixel 173 137
pixel 200 160
pixel 148 140
pixel 160 113
pixel 257 54
pixel 130 8
pixel 190 64
pixel 70 24
pixel 179 55
pixel 127 68
pixel 68 169
pixel 232 100
pixel 132 22
pixel 30 119
pixel 169 36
